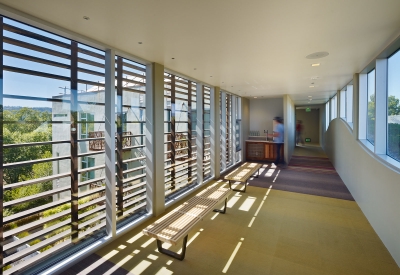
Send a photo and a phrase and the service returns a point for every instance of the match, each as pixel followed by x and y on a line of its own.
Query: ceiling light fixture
pixel 173 57
pixel 86 18
pixel 310 96
pixel 315 65
pixel 255 97
pixel 140 43
pixel 311 86
pixel 317 55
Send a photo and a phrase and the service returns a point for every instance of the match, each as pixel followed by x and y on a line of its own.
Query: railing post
pixel 74 142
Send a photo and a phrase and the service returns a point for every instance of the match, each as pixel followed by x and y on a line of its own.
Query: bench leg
pixel 243 191
pixel 221 211
pixel 175 255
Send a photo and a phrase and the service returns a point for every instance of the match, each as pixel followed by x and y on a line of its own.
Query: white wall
pixel 262 112
pixel 311 124
pixel 374 186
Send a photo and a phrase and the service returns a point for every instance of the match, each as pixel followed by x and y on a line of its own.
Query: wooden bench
pixel 243 173
pixel 175 225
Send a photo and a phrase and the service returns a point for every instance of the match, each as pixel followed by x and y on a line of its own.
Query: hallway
pixel 265 231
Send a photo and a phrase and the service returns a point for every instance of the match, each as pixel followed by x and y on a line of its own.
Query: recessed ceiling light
pixel 317 55
pixel 255 97
pixel 310 96
pixel 315 64
pixel 311 86
pixel 86 18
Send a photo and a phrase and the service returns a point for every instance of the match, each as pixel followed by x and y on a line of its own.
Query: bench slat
pixel 244 172
pixel 176 224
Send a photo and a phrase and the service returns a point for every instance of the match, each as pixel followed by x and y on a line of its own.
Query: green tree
pixel 25 120
pixel 26 126
pixel 393 106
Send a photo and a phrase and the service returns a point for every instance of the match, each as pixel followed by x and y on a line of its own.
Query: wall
pixel 289 124
pixel 262 112
pixel 322 123
pixel 311 124
pixel 245 124
pixel 374 186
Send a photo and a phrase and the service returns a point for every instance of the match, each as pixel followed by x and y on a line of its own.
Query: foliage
pixel 25 120
pixel 393 106
pixel 26 126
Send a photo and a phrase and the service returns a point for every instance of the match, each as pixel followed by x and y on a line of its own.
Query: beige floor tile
pixel 298 252
pixel 286 267
pixel 291 234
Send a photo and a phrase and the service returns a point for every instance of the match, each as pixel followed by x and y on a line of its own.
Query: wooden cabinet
pixel 261 150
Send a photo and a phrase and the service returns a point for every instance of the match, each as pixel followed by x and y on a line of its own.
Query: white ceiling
pixel 250 48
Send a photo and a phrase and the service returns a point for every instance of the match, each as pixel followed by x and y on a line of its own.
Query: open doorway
pixel 307 126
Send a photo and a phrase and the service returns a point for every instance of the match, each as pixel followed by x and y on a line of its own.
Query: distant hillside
pixel 16 108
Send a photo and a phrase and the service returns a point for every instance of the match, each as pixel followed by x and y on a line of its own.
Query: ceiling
pixel 250 48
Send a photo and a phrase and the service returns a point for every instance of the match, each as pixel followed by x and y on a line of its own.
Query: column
pixel 199 132
pixel 223 131
pixel 111 220
pixel 215 132
pixel 155 138
pixel 380 106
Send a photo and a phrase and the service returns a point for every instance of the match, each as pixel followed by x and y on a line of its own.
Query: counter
pixel 261 150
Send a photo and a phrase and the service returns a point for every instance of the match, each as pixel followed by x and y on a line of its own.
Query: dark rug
pixel 313 176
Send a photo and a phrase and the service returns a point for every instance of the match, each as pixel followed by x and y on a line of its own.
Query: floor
pixel 265 231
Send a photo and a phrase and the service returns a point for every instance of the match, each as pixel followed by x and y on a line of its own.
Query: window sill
pixel 384 159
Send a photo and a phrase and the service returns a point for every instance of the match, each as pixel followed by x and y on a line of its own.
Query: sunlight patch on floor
pixel 228 264
pixel 152 257
pixel 259 207
pixel 190 241
pixel 164 271
pixel 233 200
pixel 135 238
pixel 277 174
pixel 146 244
pixel 142 266
pixel 247 204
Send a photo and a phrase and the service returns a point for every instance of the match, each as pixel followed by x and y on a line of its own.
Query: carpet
pixel 306 175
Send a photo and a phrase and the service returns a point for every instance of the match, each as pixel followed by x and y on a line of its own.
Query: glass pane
pixel 393 126
pixel 371 108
